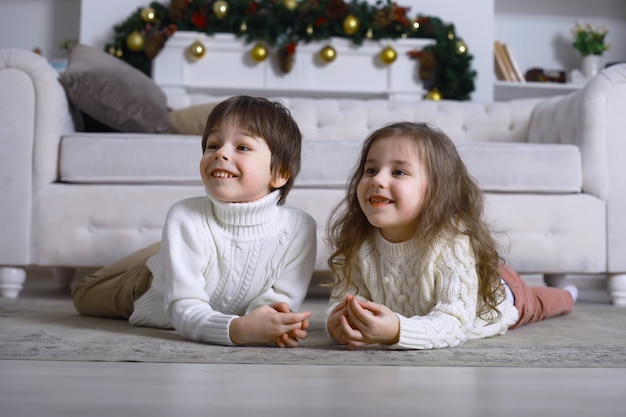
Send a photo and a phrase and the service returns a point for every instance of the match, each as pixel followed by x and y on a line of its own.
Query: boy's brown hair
pixel 267 119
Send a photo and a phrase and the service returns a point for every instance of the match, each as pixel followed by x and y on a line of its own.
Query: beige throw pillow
pixel 190 120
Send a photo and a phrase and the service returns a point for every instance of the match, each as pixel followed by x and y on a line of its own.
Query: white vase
pixel 591 65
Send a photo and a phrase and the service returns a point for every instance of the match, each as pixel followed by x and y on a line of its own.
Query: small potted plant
pixel 590 41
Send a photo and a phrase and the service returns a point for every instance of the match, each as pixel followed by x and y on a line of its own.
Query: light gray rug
pixel 594 335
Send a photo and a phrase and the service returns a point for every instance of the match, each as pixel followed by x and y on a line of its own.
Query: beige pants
pixel 112 291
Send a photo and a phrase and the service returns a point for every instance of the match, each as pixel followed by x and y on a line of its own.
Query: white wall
pixel 43 24
pixel 539 33
pixel 46 23
pixel 474 22
pixel 98 18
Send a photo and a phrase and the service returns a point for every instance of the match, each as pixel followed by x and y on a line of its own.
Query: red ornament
pixel 415 53
pixel 291 48
pixel 320 21
pixel 401 13
pixel 254 6
pixel 426 25
pixel 171 28
pixel 199 20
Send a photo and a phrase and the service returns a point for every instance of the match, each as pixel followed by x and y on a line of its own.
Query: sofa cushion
pixel 113 92
pixel 119 158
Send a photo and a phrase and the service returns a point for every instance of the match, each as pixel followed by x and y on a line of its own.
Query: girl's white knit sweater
pixel 221 260
pixel 434 296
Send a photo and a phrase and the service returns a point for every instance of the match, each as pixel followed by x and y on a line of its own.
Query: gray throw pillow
pixel 114 92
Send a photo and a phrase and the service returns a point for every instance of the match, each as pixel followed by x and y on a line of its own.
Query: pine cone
pixel 154 44
pixel 384 17
pixel 336 9
pixel 178 8
pixel 286 61
pixel 309 5
pixel 427 66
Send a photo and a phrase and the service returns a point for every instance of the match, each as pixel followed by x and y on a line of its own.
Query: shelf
pixel 539 34
pixel 174 71
pixel 582 8
pixel 504 90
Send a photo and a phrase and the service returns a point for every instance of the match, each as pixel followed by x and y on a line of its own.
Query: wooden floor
pixel 31 389
pixel 46 388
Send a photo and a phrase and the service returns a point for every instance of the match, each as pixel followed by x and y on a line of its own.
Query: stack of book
pixel 506 66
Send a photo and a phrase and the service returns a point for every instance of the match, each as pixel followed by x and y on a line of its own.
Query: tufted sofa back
pixel 353 119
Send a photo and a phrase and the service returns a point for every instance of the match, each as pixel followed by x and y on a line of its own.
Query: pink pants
pixel 537 303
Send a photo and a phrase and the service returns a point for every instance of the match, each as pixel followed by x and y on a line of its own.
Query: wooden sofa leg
pixel 616 285
pixel 11 281
pixel 555 280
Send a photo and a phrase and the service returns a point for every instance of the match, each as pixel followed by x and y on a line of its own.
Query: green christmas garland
pixel 444 67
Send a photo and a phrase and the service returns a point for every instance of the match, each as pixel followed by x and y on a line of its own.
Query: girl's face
pixel 236 165
pixel 393 186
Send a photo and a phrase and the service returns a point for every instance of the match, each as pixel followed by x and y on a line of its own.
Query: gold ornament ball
pixel 461 47
pixel 309 30
pixel 369 34
pixel 196 50
pixel 243 26
pixel 434 95
pixel 290 4
pixel 259 52
pixel 328 53
pixel 148 14
pixel 135 41
pixel 351 24
pixel 388 55
pixel 220 9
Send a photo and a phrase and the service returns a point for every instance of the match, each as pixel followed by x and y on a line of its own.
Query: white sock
pixel 508 292
pixel 572 290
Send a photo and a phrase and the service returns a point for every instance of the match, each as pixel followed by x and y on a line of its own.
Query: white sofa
pixel 551 170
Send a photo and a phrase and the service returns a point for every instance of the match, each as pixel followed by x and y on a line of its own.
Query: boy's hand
pixel 290 339
pixel 357 323
pixel 266 324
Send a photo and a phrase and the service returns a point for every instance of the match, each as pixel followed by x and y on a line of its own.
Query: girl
pixel 415 264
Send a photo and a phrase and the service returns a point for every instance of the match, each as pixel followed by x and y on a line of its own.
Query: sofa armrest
pixel 595 120
pixel 34 114
pixel 590 119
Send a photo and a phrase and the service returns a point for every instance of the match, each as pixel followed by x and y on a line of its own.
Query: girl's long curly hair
pixel 453 205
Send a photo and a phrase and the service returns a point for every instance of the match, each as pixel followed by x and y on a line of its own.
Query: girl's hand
pixel 269 324
pixel 368 322
pixel 334 323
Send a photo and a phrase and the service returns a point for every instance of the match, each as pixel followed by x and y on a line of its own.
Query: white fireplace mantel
pixel 228 68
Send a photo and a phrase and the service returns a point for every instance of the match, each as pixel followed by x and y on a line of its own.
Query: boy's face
pixel 392 189
pixel 236 166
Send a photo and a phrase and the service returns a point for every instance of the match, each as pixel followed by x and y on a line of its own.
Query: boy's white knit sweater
pixel 434 296
pixel 221 260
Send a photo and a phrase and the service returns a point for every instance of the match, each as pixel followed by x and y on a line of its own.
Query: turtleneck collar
pixel 247 218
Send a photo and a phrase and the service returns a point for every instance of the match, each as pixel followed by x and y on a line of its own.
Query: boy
pixel 234 264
